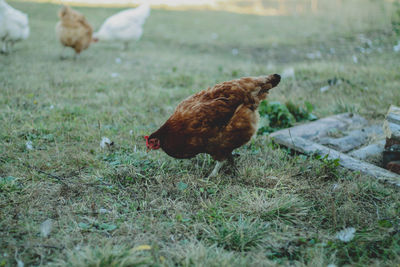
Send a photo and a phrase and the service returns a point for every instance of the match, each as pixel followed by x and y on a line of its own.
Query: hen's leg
pixel 217 167
pixel 231 161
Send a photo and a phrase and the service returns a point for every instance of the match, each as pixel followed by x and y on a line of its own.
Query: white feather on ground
pixel 14 26
pixel 346 235
pixel 105 141
pixel 125 26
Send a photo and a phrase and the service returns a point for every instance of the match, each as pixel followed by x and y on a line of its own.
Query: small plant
pixel 108 255
pixel 396 18
pixel 280 207
pixel 301 113
pixel 125 157
pixel 329 166
pixel 276 116
pixel 9 184
pixel 241 235
pixel 365 246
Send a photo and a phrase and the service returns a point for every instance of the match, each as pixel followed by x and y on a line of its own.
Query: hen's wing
pixel 16 24
pixel 208 110
pixel 195 121
pixel 115 23
pixel 125 19
pixel 17 17
pixel 82 20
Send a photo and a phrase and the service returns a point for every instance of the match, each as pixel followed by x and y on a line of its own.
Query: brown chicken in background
pixel 214 121
pixel 73 30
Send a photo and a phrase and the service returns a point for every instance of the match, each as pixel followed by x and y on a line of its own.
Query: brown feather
pixel 216 120
pixel 73 30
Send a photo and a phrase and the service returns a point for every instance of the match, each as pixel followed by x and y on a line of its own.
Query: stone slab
pixel 391 125
pixel 322 127
pixel 309 147
pixel 393 115
pixel 391 130
pixel 353 139
pixel 370 151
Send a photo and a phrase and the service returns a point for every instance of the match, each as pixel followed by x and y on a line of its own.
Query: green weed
pixel 237 235
pixel 276 116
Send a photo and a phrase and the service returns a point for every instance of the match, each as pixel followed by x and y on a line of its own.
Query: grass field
pixel 120 206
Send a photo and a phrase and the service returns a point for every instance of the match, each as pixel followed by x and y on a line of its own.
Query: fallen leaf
pixel 141 248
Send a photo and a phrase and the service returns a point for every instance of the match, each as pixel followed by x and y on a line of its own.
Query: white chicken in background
pixel 14 26
pixel 125 26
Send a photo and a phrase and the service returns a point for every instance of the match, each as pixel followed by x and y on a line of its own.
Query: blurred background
pixel 259 7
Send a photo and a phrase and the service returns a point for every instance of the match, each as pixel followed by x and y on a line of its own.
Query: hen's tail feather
pixel 263 84
pixel 268 82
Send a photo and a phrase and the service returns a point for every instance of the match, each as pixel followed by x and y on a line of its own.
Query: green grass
pixel 106 203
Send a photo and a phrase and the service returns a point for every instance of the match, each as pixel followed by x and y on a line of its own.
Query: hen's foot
pixel 217 167
pixel 232 164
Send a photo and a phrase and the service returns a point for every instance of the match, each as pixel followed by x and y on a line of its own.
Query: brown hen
pixel 214 121
pixel 73 30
